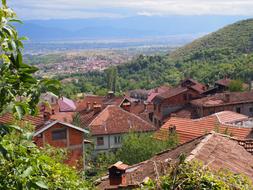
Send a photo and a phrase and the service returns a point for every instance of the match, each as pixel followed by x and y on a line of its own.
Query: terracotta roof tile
pixel 188 129
pixel 172 92
pixel 224 99
pixel 215 150
pixel 114 120
pixel 34 120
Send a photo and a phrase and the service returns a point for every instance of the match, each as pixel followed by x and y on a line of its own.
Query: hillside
pixel 236 38
pixel 225 53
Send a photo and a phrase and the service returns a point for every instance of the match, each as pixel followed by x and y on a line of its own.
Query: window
pixel 251 109
pixel 100 141
pixel 238 110
pixel 59 134
pixel 154 106
pixel 117 140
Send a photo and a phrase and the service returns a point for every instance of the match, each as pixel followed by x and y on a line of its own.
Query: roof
pixel 215 151
pixel 63 116
pixel 172 92
pixel 119 165
pixel 197 86
pixel 66 104
pixel 101 100
pixel 34 120
pixel 154 92
pixel 188 129
pixel 115 120
pixel 59 122
pixel 223 82
pixel 224 99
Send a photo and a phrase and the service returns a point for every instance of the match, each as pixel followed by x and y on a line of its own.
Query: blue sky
pixel 67 9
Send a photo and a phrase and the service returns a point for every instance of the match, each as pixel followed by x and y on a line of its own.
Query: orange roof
pixel 188 129
pixel 214 150
pixel 34 120
pixel 115 120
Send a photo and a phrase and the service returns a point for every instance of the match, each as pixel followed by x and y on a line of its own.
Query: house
pixel 175 99
pixel 214 150
pixel 240 102
pixel 154 92
pixel 188 129
pixel 108 126
pixel 62 135
pixel 55 133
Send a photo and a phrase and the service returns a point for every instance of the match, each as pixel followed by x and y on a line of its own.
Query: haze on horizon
pixel 82 9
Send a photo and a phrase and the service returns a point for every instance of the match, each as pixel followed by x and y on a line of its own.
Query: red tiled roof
pixel 114 120
pixel 34 120
pixel 172 92
pixel 221 99
pixel 197 86
pixel 101 100
pixel 224 82
pixel 63 116
pixel 214 150
pixel 188 129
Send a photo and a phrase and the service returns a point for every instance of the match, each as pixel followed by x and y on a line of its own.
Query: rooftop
pixel 115 120
pixel 214 150
pixel 224 99
pixel 188 129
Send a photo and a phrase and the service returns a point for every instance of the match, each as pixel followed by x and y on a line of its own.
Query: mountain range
pixel 122 28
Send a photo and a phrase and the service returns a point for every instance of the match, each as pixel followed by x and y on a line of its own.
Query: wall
pixel 168 106
pixel 108 142
pixel 245 109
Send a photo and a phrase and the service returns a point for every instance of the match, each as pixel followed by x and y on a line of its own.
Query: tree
pixel 193 175
pixel 112 75
pixel 22 164
pixel 137 147
pixel 235 86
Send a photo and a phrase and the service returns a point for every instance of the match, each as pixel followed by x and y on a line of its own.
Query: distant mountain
pixel 132 27
pixel 225 53
pixel 236 38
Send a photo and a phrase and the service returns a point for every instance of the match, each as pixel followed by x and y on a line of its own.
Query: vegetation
pixel 194 175
pixel 22 164
pixel 236 86
pixel 225 53
pixel 135 148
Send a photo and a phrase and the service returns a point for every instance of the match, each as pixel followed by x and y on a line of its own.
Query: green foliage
pixel 22 164
pixel 236 86
pixel 227 52
pixel 139 147
pixel 31 168
pixel 111 76
pixel 19 90
pixel 193 175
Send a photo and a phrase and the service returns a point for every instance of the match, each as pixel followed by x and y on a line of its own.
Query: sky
pixel 68 9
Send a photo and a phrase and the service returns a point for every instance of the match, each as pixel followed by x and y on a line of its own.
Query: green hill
pixel 227 52
pixel 236 38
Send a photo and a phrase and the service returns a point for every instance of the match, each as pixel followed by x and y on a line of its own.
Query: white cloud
pixel 30 9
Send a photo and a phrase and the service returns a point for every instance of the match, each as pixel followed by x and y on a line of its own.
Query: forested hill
pixel 225 53
pixel 235 38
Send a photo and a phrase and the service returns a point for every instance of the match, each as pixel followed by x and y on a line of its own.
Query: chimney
pixel 127 106
pixel 97 108
pixel 110 94
pixel 156 90
pixel 46 116
pixel 227 97
pixel 116 174
pixel 88 106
